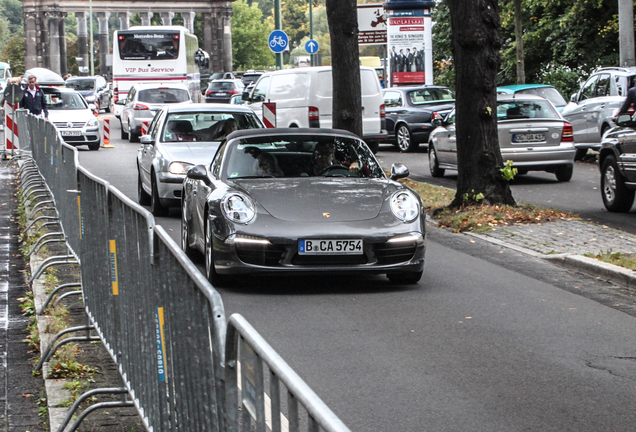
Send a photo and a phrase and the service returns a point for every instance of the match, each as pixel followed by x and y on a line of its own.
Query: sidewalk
pixel 565 242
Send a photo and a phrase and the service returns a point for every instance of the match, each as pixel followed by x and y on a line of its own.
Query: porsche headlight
pixel 179 167
pixel 92 122
pixel 238 208
pixel 405 206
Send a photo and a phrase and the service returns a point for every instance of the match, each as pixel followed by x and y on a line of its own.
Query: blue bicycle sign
pixel 278 41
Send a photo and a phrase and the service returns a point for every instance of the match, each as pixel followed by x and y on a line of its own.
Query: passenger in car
pixel 267 165
pixel 324 156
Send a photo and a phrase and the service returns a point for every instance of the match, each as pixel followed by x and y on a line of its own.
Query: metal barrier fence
pixel 162 322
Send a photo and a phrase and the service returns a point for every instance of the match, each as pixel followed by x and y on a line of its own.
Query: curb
pixel 616 274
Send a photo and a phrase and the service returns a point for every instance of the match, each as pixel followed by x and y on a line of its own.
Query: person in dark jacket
pixel 34 99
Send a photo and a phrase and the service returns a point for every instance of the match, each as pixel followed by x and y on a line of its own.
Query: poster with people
pixel 405 39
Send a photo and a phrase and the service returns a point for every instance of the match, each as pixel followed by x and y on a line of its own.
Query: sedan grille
pixel 330 260
pixel 393 253
pixel 64 125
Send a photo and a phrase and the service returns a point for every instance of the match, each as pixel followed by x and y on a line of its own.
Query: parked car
pixel 591 109
pixel 304 98
pixel 179 137
pixel 72 117
pixel 545 91
pixel 221 91
pixel 617 163
pixel 95 90
pixel 143 101
pixel 410 110
pixel 250 77
pixel 261 207
pixel 532 135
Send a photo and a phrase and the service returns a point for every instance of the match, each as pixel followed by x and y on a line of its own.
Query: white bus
pixel 155 54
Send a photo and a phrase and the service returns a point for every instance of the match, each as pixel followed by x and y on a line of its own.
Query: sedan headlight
pixel 405 206
pixel 92 122
pixel 238 208
pixel 179 167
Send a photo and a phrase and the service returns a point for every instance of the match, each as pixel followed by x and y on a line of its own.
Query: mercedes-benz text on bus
pixel 155 54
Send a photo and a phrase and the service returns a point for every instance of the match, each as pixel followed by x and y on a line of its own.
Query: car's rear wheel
pixel 616 196
pixel 580 153
pixel 433 163
pixel 155 204
pixel 406 278
pixel 210 272
pixel 133 137
pixel 142 196
pixel 124 134
pixel 404 139
pixel 564 174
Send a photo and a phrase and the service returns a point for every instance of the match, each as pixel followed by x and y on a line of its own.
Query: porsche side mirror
pixel 199 172
pixel 625 120
pixel 399 171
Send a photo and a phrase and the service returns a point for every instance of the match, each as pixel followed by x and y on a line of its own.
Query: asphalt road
pixel 581 195
pixel 489 340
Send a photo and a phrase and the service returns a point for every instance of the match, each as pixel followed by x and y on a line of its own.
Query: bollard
pixel 144 127
pixel 107 134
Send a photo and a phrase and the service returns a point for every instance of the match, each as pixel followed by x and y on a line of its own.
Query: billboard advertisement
pixel 406 44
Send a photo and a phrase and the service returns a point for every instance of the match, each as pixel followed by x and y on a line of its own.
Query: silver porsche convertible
pixel 301 200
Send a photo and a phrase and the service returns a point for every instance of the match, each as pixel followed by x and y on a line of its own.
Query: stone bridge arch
pixel 45 31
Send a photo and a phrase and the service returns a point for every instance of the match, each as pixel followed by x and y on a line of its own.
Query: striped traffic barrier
pixel 269 114
pixel 10 126
pixel 107 134
pixel 144 127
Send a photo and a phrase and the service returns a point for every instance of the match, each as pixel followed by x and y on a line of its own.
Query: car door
pixel 446 144
pixel 258 95
pixel 578 113
pixel 393 105
pixel 597 107
pixel 147 151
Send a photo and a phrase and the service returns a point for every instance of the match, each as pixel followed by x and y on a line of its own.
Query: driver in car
pixel 325 157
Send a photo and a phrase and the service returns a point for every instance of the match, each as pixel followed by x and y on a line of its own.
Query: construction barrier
pixel 144 127
pixel 106 133
pixel 162 322
pixel 11 135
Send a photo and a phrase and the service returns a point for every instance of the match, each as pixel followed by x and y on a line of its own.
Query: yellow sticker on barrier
pixel 113 266
pixel 81 225
pixel 161 345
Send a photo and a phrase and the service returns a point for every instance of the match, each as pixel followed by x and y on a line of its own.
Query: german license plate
pixel 220 94
pixel 525 138
pixel 70 133
pixel 330 247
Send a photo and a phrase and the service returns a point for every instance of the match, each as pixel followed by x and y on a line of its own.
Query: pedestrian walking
pixel 34 100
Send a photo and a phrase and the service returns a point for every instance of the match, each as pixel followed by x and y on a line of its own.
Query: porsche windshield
pixel 299 156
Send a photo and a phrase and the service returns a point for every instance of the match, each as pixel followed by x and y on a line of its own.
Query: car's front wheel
pixel 210 272
pixel 433 163
pixel 142 196
pixel 185 235
pixel 124 134
pixel 404 139
pixel 94 146
pixel 155 204
pixel 407 278
pixel 616 196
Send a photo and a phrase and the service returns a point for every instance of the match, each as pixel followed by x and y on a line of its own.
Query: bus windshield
pixel 148 45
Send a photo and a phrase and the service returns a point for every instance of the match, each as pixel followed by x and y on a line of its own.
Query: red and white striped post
pixel 269 114
pixel 10 127
pixel 106 127
pixel 144 127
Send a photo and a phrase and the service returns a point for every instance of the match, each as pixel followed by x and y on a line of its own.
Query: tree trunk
pixel 476 43
pixel 342 16
pixel 521 67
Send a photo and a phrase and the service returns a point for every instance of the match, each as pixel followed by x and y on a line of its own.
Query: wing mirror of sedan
pixel 399 171
pixel 145 139
pixel 437 122
pixel 199 172
pixel 625 120
pixel 573 98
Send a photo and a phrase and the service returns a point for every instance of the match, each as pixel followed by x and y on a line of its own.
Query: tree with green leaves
pixel 249 37
pixel 14 52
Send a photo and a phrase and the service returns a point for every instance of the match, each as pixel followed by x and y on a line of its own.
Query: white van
pixel 304 98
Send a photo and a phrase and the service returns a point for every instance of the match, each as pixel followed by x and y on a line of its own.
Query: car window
pixel 154 125
pixel 292 86
pixel 622 84
pixel 65 101
pixel 450 118
pixel 281 156
pixel 602 86
pixel 217 162
pixel 80 84
pixel 206 126
pixel 549 93
pixel 131 95
pixel 523 109
pixel 260 90
pixel 423 96
pixel 587 91
pixel 392 99
pixel 163 95
pixel 222 85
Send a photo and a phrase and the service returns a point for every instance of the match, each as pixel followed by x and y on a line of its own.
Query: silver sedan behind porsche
pixel 179 137
pixel 301 200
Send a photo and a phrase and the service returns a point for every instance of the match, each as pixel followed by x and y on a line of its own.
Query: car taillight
pixel 436 116
pixel 314 114
pixel 139 107
pixel 567 135
pixel 233 92
pixel 630 111
pixel 208 92
pixel 382 111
